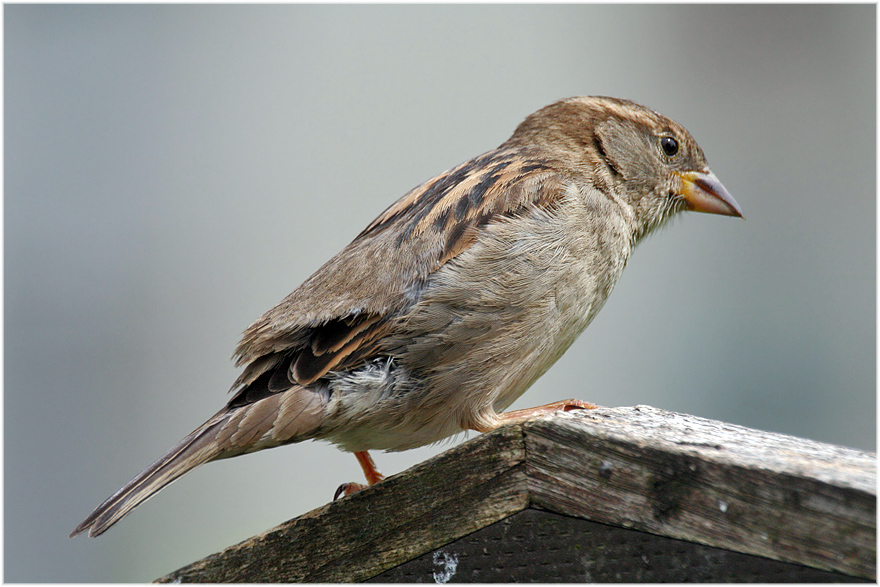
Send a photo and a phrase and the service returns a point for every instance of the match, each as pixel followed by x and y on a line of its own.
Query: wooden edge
pixel 670 474
pixel 449 496
pixel 704 481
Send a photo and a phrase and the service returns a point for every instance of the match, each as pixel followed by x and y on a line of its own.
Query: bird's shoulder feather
pixel 337 317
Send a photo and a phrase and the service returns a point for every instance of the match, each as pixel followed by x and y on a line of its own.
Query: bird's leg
pixel 565 405
pixel 370 472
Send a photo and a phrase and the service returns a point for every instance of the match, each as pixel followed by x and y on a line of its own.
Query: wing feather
pixel 336 319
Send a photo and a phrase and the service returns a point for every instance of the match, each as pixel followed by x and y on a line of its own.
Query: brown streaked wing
pixel 309 367
pixel 338 316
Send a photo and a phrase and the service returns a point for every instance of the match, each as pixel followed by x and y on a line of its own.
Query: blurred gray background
pixel 173 171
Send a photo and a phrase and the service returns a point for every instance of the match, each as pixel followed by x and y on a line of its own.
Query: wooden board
pixel 704 481
pixel 668 474
pixel 537 546
pixel 355 538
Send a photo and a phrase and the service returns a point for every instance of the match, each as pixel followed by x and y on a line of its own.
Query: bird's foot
pixel 565 405
pixel 348 489
pixel 370 472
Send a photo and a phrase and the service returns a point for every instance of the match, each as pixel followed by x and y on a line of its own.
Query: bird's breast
pixel 493 320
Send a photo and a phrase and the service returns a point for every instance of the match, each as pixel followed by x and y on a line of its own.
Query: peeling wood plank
pixel 684 477
pixel 672 475
pixel 406 515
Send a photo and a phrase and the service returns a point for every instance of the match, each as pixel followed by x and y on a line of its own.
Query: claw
pixel 347 489
pixel 370 472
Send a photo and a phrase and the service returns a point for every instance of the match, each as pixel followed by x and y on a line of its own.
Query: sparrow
pixel 451 303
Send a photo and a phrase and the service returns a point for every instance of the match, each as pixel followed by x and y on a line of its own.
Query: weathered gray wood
pixel 353 539
pixel 704 481
pixel 673 475
pixel 538 546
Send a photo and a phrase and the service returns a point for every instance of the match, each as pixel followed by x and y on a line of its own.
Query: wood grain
pixel 355 538
pixel 718 484
pixel 673 475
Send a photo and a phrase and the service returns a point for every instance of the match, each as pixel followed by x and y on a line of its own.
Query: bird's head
pixel 630 152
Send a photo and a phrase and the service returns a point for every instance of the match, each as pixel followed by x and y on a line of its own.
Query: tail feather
pixel 285 417
pixel 196 449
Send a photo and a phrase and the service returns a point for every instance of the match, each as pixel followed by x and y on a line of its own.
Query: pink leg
pixel 370 472
pixel 565 405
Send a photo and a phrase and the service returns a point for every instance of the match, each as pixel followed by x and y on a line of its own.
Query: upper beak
pixel 704 193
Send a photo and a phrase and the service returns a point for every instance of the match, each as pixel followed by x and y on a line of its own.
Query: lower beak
pixel 704 193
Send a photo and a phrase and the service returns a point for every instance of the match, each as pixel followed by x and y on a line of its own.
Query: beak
pixel 704 193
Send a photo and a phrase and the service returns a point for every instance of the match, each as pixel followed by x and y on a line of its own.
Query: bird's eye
pixel 669 146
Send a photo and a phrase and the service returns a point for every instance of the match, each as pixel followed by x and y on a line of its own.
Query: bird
pixel 450 304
